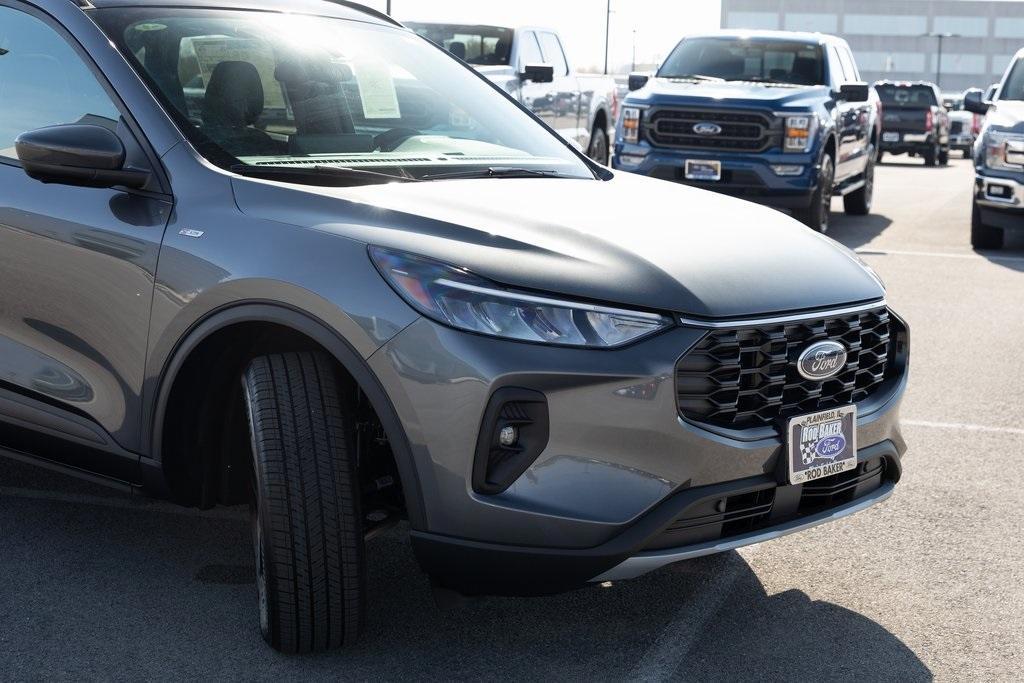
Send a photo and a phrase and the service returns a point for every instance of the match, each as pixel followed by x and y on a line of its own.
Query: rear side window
pixel 1014 88
pixel 482 45
pixel 906 95
pixel 553 53
pixel 43 82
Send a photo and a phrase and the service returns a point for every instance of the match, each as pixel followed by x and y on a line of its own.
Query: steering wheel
pixel 389 140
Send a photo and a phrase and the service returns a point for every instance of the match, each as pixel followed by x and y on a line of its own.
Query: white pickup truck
pixel 531 65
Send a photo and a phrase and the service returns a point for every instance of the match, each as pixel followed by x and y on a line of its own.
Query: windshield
pixel 480 45
pixel 734 59
pixel 909 96
pixel 1014 88
pixel 270 90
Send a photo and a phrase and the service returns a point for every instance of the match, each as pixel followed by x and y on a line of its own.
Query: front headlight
pixel 1004 150
pixel 799 133
pixel 631 124
pixel 455 297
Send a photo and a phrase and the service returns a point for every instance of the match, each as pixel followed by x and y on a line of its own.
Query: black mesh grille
pixel 747 377
pixel 956 127
pixel 740 131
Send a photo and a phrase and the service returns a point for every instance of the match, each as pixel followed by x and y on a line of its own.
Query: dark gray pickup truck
pixel 532 65
pixel 914 121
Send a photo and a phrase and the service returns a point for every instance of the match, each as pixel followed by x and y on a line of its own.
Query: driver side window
pixel 44 82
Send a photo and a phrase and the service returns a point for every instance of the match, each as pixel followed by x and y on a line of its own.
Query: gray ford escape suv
pixel 293 255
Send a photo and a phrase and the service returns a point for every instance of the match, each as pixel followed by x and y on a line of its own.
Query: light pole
pixel 388 10
pixel 633 67
pixel 938 61
pixel 607 31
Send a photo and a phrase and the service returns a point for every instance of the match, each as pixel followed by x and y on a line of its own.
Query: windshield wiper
pixel 697 77
pixel 331 176
pixel 496 172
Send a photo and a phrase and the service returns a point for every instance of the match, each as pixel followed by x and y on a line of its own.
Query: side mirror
pixel 974 101
pixel 77 154
pixel 854 92
pixel 538 73
pixel 637 81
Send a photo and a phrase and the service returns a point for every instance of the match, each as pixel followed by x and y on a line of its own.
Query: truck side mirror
pixel 538 73
pixel 637 81
pixel 974 101
pixel 854 92
pixel 77 154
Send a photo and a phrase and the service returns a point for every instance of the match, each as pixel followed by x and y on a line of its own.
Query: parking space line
pixel 960 426
pixel 938 254
pixel 665 655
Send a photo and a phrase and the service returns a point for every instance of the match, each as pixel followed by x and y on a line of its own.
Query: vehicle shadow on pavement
pixel 109 591
pixel 856 231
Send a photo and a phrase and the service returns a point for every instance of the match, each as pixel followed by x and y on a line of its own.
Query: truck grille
pixel 956 127
pixel 747 377
pixel 740 131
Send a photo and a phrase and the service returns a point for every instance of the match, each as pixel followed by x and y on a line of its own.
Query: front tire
pixel 931 156
pixel 598 150
pixel 944 157
pixel 816 215
pixel 984 236
pixel 858 203
pixel 307 530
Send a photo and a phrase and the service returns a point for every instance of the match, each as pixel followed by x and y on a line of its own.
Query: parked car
pixel 532 65
pixel 964 126
pixel 778 118
pixel 401 297
pixel 915 122
pixel 998 204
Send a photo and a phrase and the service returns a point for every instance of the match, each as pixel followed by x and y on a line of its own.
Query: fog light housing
pixel 632 159
pixel 513 432
pixel 787 169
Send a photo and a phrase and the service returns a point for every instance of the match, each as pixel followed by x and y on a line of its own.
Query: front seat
pixel 233 103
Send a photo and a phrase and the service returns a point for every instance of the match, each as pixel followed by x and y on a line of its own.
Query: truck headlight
pixel 631 124
pixel 1004 150
pixel 453 296
pixel 799 132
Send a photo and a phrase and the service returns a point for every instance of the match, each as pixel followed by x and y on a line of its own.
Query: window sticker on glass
pixel 377 91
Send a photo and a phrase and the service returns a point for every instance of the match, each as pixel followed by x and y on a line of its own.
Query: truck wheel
pixel 307 531
pixel 944 157
pixel 931 156
pixel 858 203
pixel 599 146
pixel 984 236
pixel 880 155
pixel 816 215
pixel 967 153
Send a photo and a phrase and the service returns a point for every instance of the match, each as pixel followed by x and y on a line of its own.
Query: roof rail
pixel 353 5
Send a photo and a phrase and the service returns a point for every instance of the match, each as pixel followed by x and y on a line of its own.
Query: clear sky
pixel 659 24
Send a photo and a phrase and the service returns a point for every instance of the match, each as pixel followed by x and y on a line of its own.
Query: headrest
pixel 458 49
pixel 234 95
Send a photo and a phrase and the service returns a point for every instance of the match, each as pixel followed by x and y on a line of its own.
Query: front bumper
pixel 747 176
pixel 620 464
pixel 1000 199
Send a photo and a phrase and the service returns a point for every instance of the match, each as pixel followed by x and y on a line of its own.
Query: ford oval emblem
pixel 830 446
pixel 707 128
pixel 821 360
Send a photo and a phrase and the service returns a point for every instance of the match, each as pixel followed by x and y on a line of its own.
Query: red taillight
pixel 976 124
pixel 928 123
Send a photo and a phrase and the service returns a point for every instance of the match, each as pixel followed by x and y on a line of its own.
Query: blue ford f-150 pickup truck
pixel 779 118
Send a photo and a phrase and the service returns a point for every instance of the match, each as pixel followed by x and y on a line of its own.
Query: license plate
pixel 822 444
pixel 890 137
pixel 699 169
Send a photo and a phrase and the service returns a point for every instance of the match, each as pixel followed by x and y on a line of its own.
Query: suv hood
pixel 1006 114
pixel 631 240
pixel 727 94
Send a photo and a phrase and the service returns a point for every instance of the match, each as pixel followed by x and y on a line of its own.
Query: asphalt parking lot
pixel 929 584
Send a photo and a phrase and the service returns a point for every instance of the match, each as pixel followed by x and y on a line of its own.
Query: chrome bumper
pixel 1003 193
pixel 649 561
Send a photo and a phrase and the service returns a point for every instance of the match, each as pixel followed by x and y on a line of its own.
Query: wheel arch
pixel 309 327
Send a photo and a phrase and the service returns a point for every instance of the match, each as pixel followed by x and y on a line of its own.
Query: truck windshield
pixel 734 59
pixel 1014 88
pixel 479 45
pixel 908 96
pixel 276 90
